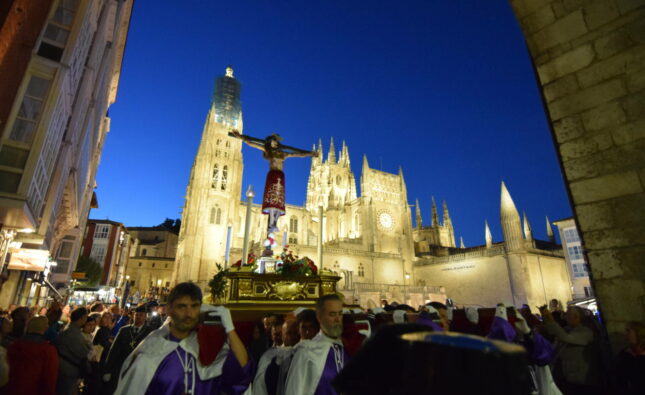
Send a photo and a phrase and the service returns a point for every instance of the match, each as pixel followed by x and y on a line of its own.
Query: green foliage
pixel 218 283
pixel 91 268
pixel 171 224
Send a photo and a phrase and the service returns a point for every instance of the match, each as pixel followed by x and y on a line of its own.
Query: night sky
pixel 444 89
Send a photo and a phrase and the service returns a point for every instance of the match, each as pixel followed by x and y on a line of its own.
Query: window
pixel 361 270
pixel 228 144
pixel 293 240
pixel 215 215
pixel 153 265
pixel 139 264
pixel 57 31
pixel 98 253
pixel 24 127
pixel 62 266
pixel 571 235
pixel 215 176
pixel 580 270
pixel 166 267
pixel 101 231
pixel 64 255
pixel 293 225
pixel 224 177
pixel 219 141
pixel 575 253
pixel 167 284
pixel 144 252
pixel 217 153
pixel 589 291
pixel 132 283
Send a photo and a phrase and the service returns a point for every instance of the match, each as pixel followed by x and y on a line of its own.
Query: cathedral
pixel 369 240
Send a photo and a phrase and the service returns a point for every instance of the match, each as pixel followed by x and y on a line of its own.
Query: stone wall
pixel 590 61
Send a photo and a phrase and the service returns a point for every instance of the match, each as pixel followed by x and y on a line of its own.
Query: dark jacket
pixel 124 343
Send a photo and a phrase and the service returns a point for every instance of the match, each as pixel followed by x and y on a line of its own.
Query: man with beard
pixel 183 357
pixel 317 362
pixel 127 339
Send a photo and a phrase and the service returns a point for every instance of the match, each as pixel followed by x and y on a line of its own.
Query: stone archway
pixel 589 58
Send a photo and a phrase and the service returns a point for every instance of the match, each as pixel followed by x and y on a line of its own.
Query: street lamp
pixel 247 224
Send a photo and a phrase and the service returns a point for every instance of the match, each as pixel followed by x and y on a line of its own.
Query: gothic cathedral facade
pixel 369 239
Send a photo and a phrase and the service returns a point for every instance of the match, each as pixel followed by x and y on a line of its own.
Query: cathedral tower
pixel 214 189
pixel 514 246
pixel 510 220
pixel 331 183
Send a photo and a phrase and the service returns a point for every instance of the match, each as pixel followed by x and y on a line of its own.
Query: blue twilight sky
pixel 444 89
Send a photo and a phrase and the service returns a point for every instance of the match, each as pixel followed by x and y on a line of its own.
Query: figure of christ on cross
pixel 275 152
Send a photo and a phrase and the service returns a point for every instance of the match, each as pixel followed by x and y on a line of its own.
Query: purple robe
pixel 501 330
pixel 541 352
pixel 330 372
pixel 169 377
pixel 428 322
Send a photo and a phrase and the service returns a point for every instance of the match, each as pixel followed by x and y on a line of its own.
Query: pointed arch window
pixel 215 217
pixel 215 176
pixel 224 177
pixel 219 141
pixel 293 225
pixel 361 270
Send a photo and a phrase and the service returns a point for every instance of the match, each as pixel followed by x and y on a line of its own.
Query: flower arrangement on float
pixel 291 265
pixel 250 261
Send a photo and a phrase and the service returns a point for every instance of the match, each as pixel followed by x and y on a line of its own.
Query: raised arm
pixel 292 152
pixel 250 141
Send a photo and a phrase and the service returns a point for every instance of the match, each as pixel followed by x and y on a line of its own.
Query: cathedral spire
pixel 528 234
pixel 344 154
pixel 487 235
pixel 549 231
pixel 461 242
pixel 320 150
pixel 365 164
pixel 446 215
pixel 417 210
pixel 331 155
pixel 435 216
pixel 226 100
pixel 510 220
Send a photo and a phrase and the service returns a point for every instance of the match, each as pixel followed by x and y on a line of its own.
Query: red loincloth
pixel 274 192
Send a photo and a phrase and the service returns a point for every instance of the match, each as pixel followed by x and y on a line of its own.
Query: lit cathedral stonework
pixel 368 239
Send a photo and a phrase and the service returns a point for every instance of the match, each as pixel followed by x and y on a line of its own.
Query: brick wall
pixel 590 60
pixel 20 24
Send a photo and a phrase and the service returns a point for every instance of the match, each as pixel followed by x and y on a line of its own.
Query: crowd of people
pixel 187 347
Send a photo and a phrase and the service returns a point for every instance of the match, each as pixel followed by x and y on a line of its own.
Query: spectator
pixel 630 362
pixel 19 316
pixel 54 315
pixel 575 360
pixel 33 361
pixel 6 327
pixel 73 351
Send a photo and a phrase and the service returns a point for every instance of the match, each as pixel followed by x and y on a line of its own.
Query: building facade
pixel 368 239
pixel 152 260
pixel 108 243
pixel 575 257
pixel 60 64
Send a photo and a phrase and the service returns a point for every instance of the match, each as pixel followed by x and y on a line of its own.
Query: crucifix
pixel 273 203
